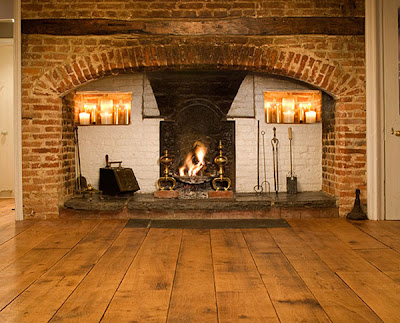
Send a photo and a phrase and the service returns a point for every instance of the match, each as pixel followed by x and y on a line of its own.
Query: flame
pixel 192 169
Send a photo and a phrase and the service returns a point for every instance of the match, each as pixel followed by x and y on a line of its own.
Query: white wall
pixel 137 145
pixel 6 119
pixel 306 144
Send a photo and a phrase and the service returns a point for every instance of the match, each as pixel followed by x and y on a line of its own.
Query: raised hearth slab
pixel 242 206
pixel 220 195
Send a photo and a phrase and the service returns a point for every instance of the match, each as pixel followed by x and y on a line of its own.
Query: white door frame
pixel 17 113
pixel 375 109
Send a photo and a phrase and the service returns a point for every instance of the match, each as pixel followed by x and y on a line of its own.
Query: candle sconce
pixel 102 108
pixel 292 107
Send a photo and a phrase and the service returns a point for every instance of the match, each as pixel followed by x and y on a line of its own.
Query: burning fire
pixel 199 152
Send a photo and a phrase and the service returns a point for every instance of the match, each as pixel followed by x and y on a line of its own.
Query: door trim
pixel 375 109
pixel 17 113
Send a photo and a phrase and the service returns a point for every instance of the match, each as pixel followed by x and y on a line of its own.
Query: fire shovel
pixel 291 178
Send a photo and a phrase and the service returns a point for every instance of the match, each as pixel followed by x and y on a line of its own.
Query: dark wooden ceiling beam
pixel 180 27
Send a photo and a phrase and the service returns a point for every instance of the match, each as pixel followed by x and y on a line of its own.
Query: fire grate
pixel 208 224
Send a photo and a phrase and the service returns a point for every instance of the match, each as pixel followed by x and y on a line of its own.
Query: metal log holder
pixel 221 160
pixel 275 144
pixel 166 182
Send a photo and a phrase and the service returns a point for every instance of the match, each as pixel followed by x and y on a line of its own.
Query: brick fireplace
pixel 233 37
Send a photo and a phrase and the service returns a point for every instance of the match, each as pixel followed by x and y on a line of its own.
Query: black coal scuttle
pixel 117 180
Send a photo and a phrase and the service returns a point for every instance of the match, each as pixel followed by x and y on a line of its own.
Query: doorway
pixel 391 59
pixel 6 118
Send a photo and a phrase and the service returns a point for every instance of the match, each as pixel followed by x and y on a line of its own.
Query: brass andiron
pixel 221 160
pixel 166 160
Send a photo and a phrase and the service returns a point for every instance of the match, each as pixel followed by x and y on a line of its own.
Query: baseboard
pixel 7 194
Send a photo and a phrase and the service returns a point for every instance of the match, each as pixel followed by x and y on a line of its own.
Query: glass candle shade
pixel 127 113
pixel 287 104
pixel 107 106
pixel 92 109
pixel 116 114
pixel 278 113
pixel 268 113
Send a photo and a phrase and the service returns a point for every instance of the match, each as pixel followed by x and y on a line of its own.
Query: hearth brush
pixel 275 144
pixel 291 178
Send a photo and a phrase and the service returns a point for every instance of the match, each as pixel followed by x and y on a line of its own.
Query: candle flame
pixel 194 161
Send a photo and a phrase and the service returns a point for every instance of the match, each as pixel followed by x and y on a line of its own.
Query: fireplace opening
pixel 188 113
pixel 194 105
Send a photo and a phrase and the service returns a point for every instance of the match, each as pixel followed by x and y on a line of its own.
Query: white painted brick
pixel 306 144
pixel 137 145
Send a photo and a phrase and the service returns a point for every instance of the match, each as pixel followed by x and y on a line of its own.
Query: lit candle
pixel 288 116
pixel 301 113
pixel 116 114
pixel 311 116
pixel 91 108
pixel 268 113
pixel 279 113
pixel 106 118
pixel 127 113
pixel 84 118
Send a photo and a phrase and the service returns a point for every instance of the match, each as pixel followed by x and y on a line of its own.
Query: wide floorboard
pixel 100 270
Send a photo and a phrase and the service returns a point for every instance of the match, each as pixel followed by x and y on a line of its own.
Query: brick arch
pixel 306 67
pixel 343 157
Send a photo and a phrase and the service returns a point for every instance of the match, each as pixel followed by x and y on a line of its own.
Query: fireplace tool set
pixel 275 144
pixel 291 179
pixel 168 182
pixel 82 187
pixel 259 188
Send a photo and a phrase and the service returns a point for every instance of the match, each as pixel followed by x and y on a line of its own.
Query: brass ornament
pixel 166 160
pixel 221 160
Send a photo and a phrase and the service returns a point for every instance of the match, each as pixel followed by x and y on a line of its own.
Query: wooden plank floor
pixel 318 270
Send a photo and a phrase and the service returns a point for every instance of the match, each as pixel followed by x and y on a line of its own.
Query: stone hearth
pixel 242 206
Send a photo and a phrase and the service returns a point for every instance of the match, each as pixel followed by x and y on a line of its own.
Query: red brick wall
pixel 55 65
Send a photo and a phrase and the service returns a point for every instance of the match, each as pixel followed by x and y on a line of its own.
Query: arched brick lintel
pixel 328 76
pixel 323 74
